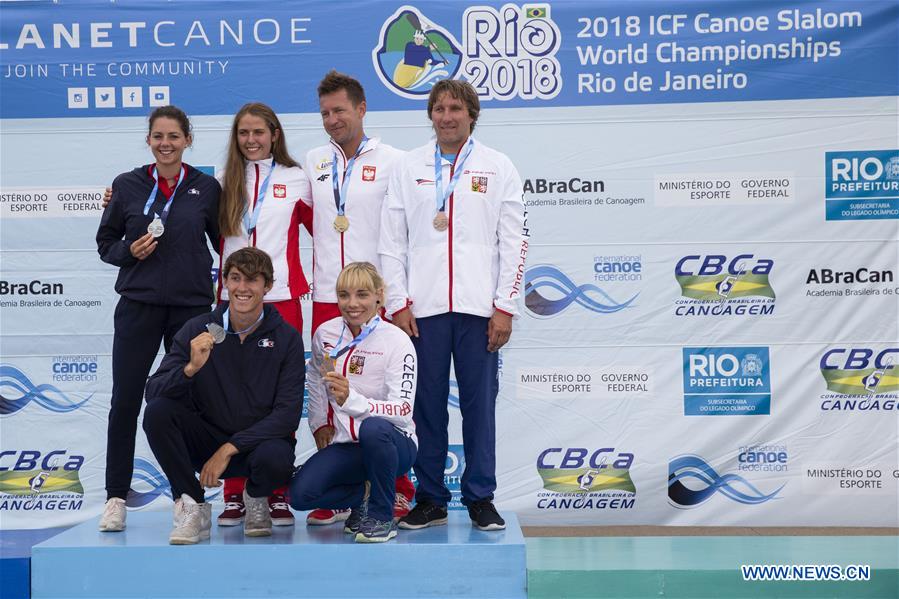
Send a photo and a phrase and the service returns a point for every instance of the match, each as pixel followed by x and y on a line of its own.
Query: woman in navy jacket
pixel 155 230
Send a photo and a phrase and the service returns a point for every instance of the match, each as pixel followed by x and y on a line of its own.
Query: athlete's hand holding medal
pixel 200 348
pixel 144 246
pixel 338 385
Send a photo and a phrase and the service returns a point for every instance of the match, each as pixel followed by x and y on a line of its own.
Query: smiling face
pixel 167 141
pixel 245 294
pixel 451 122
pixel 357 305
pixel 255 138
pixel 341 120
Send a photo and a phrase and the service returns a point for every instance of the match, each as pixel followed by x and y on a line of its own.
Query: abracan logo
pixel 717 285
pixel 31 480
pixel 706 482
pixel 504 54
pixel 549 291
pixel 727 381
pixel 17 391
pixel 860 378
pixel 862 185
pixel 583 479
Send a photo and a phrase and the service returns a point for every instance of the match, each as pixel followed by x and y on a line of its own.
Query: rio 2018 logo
pixel 504 54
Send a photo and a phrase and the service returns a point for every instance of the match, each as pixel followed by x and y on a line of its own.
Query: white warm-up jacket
pixel 368 187
pixel 476 266
pixel 382 373
pixel 278 228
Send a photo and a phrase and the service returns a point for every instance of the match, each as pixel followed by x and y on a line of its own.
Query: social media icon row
pixel 131 97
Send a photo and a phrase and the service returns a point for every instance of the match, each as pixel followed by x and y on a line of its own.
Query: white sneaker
pixel 113 518
pixel 196 521
pixel 177 512
pixel 258 519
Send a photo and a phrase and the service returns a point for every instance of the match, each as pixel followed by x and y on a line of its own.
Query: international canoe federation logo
pixel 414 54
pixel 549 291
pixel 505 53
pixel 702 482
pixel 148 484
pixel 17 391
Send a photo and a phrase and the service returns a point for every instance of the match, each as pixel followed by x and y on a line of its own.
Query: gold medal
pixel 341 223
pixel 328 364
pixel 441 221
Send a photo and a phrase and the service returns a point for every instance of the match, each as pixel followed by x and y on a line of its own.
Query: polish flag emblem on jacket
pixel 368 173
pixel 280 190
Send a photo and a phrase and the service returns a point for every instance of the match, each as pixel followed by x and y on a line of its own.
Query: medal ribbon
pixel 441 196
pixel 341 191
pixel 365 332
pixel 249 220
pixel 227 322
pixel 165 211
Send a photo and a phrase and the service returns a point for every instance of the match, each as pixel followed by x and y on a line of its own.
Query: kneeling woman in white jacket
pixel 361 381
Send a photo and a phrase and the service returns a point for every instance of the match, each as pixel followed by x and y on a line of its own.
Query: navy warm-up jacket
pixel 179 271
pixel 252 391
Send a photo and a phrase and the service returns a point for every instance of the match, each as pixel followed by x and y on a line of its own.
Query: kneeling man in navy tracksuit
pixel 226 401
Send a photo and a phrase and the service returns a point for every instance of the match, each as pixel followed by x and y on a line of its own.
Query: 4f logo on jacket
pixel 266 342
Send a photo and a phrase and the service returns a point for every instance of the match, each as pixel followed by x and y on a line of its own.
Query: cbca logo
pixel 414 54
pixel 548 291
pixel 148 484
pixel 860 378
pixel 17 391
pixel 452 475
pixel 727 381
pixel 862 185
pixel 704 482
pixel 32 480
pixel 504 53
pixel 716 285
pixel 579 478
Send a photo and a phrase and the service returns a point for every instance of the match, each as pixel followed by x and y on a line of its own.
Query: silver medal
pixel 217 332
pixel 156 228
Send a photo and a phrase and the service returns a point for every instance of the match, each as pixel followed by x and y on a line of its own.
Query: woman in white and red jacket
pixel 265 198
pixel 361 382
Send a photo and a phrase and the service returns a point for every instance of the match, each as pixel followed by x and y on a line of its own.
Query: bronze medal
pixel 441 221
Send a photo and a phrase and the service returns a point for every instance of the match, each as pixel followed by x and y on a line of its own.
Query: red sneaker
pixel 323 517
pixel 401 506
pixel 234 511
pixel 280 510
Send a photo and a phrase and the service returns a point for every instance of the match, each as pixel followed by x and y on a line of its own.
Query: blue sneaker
pixel 375 531
pixel 354 522
pixel 358 514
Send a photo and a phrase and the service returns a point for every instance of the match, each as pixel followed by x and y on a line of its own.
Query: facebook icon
pixel 132 97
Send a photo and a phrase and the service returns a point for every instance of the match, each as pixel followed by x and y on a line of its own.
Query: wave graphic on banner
pixel 732 486
pixel 17 391
pixel 588 296
pixel 146 472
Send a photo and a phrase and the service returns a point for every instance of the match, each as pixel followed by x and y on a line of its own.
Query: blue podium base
pixel 456 560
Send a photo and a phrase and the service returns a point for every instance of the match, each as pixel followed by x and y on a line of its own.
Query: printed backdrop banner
pixel 709 330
